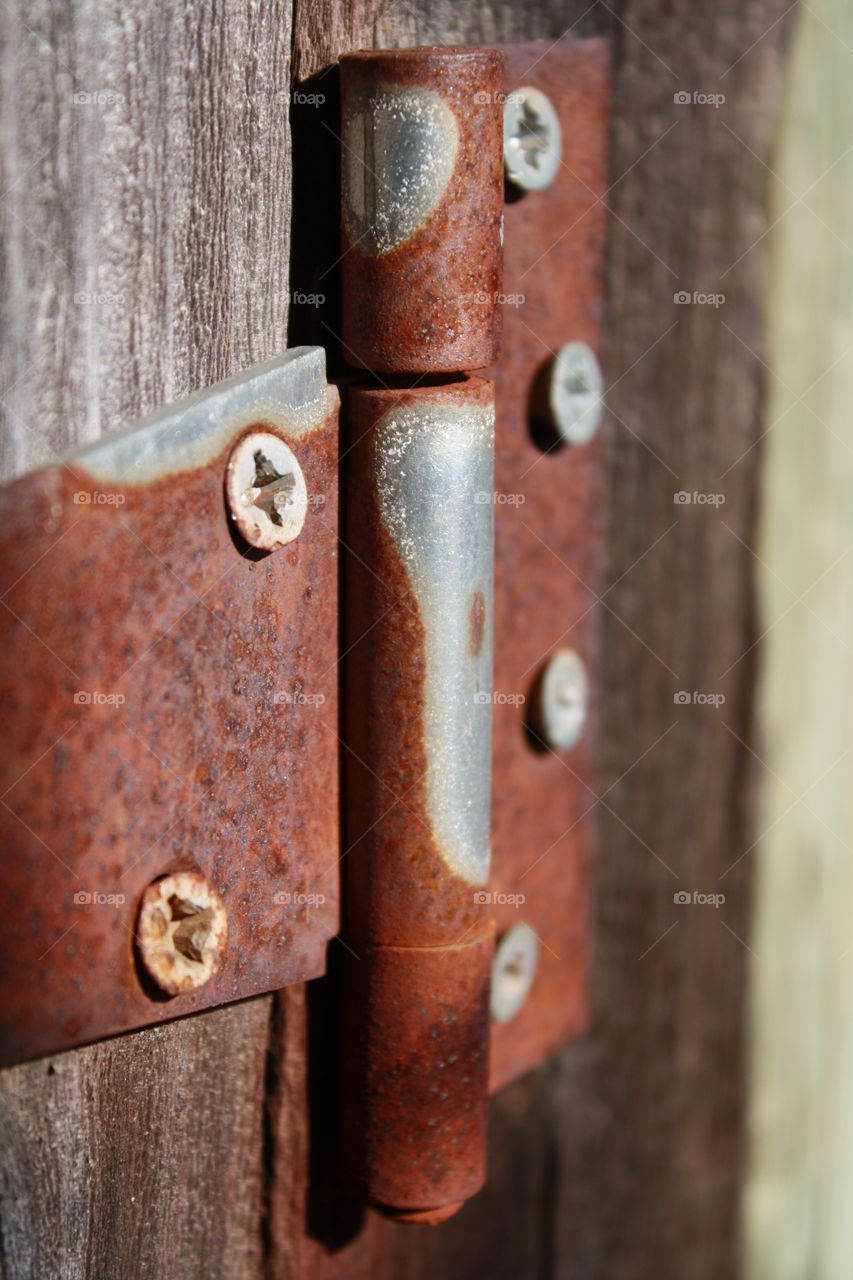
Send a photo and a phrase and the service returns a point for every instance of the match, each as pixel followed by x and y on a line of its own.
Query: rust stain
pixel 431 303
pixel 416 1083
pixel 477 623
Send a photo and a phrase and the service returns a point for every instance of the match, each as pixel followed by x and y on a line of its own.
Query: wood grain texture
pixel 621 1157
pixel 145 209
pixel 140 1156
pixel 145 219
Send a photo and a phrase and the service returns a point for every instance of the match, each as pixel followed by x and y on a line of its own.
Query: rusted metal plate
pixel 549 524
pixel 169 704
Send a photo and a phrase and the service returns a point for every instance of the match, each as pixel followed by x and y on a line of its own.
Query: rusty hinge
pixel 432 508
pixel 170 649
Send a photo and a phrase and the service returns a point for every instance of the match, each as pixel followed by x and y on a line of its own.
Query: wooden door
pixel 146 210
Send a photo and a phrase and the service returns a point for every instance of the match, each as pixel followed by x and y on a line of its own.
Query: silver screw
pixel 575 393
pixel 533 140
pixel 515 965
pixel 563 700
pixel 266 491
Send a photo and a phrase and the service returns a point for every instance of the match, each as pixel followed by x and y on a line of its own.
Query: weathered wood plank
pixel 140 1156
pixel 145 223
pixel 145 210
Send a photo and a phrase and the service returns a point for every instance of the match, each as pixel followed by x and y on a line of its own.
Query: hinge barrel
pixel 420 530
pixel 422 191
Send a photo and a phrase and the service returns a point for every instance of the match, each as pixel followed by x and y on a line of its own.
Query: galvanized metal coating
pixel 434 468
pixel 288 393
pixel 400 149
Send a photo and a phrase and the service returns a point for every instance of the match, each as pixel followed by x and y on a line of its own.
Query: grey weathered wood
pixel 166 195
pixel 140 1156
pixel 621 1157
pixel 146 159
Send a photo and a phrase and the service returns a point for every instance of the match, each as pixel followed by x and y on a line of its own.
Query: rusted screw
pixel 575 393
pixel 563 700
pixel 516 962
pixel 533 140
pixel 182 931
pixel 266 491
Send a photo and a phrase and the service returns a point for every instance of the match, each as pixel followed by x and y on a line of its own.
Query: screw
pixel 575 393
pixel 266 491
pixel 533 141
pixel 181 932
pixel 563 700
pixel 513 971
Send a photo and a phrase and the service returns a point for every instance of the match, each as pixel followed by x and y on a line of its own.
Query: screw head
pixel 181 932
pixel 575 393
pixel 266 491
pixel 563 700
pixel 513 971
pixel 533 140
